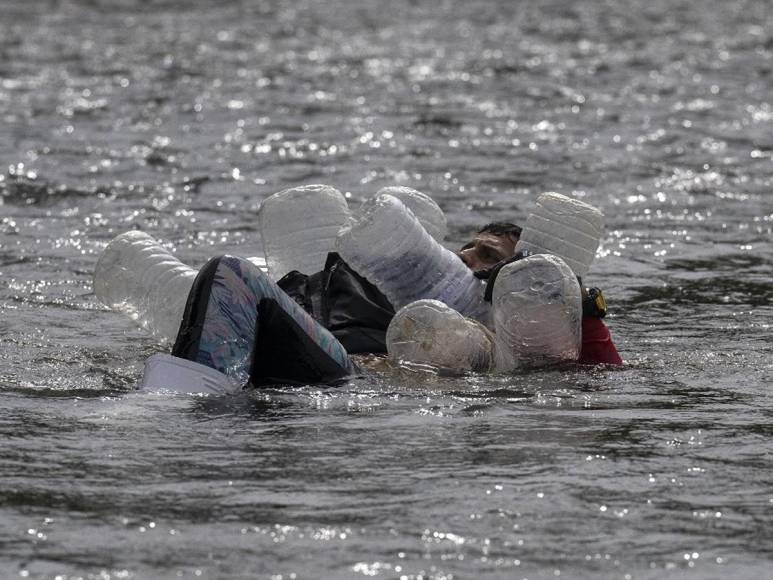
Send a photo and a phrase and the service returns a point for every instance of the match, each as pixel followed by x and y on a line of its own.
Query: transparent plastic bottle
pixel 423 207
pixel 298 227
pixel 135 275
pixel 386 244
pixel 566 227
pixel 428 332
pixel 537 313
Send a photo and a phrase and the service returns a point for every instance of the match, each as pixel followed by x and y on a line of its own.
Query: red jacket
pixel 597 346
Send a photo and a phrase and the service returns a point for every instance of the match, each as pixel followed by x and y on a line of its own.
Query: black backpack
pixel 350 307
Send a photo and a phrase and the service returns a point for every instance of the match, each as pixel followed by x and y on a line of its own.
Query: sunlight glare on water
pixel 178 119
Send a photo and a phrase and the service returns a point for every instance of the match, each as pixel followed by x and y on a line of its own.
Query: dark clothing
pixel 303 328
pixel 239 322
pixel 345 303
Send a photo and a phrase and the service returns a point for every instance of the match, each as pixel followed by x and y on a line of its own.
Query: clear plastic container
pixel 298 227
pixel 135 275
pixel 423 207
pixel 537 313
pixel 386 244
pixel 566 227
pixel 427 332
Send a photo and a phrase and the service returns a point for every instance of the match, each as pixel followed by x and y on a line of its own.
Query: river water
pixel 178 118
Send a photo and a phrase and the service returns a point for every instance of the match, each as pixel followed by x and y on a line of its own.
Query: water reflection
pixel 180 119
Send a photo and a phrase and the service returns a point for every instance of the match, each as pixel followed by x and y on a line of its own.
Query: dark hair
pixel 497 229
pixel 501 229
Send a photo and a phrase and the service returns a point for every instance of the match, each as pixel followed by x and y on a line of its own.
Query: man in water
pixel 494 243
pixel 305 327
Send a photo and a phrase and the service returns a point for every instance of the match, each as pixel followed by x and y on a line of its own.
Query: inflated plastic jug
pixel 423 207
pixel 298 227
pixel 137 276
pixel 428 332
pixel 537 313
pixel 386 244
pixel 565 227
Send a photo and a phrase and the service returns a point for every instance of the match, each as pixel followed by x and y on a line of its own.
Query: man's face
pixel 486 250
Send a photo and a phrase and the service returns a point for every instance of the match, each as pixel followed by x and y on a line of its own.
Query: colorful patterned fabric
pixel 231 321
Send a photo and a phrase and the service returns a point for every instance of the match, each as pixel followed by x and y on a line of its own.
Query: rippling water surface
pixel 178 118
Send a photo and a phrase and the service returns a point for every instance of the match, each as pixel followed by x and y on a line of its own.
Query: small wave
pixel 23 190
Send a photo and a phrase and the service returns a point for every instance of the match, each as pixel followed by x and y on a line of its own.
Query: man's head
pixel 493 243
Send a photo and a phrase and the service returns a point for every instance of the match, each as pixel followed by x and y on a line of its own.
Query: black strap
pixel 492 273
